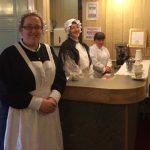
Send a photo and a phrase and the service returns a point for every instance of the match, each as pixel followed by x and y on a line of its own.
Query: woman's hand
pixel 48 105
pixel 108 69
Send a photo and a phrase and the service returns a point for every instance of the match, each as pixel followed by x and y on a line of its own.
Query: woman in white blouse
pixel 100 56
pixel 74 54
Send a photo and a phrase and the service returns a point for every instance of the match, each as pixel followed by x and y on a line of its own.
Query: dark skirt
pixel 3 119
pixel 3 114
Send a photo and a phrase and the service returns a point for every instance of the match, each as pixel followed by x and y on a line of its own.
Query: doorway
pixel 10 12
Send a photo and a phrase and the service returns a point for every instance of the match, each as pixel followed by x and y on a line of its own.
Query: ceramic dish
pixel 135 78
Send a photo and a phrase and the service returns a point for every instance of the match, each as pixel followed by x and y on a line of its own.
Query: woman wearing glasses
pixel 34 82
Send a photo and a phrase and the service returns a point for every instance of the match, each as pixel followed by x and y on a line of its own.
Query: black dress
pixel 29 77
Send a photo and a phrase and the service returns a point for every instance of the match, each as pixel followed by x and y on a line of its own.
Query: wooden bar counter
pixel 118 90
pixel 99 114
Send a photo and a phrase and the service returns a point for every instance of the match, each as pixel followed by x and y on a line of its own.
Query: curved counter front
pixel 116 90
pixel 101 114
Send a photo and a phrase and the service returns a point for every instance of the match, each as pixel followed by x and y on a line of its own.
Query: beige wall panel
pixel 57 13
pixel 146 19
pixel 63 10
pixel 127 19
pixel 117 25
pixel 95 23
pixel 109 26
pixel 103 15
pixel 141 20
pixel 114 20
pixel 148 53
pixel 138 13
pixel 70 9
pixel 43 8
pixel 119 19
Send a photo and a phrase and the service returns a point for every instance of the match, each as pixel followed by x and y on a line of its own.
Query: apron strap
pixel 27 60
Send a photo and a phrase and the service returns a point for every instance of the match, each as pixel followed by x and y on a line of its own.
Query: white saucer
pixel 107 74
pixel 135 78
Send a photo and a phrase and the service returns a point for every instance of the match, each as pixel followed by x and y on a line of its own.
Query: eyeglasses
pixel 32 27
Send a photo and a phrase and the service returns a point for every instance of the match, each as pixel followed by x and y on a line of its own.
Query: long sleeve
pixel 109 62
pixel 16 93
pixel 75 60
pixel 60 79
pixel 20 81
pixel 69 59
pixel 71 67
pixel 97 65
pixel 100 58
pixel 3 90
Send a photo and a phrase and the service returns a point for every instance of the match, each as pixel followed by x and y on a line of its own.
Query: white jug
pixel 138 55
pixel 138 69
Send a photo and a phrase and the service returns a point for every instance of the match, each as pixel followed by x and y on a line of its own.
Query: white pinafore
pixel 29 129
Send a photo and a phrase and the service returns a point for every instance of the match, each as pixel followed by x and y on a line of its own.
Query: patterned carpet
pixel 143 133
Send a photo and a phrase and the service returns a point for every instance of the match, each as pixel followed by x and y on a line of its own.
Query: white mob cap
pixel 69 22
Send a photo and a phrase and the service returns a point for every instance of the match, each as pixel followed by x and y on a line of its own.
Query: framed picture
pixel 89 32
pixel 91 10
pixel 138 38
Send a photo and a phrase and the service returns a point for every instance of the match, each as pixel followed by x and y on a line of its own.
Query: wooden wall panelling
pixel 62 10
pixel 102 15
pixel 146 16
pixel 115 21
pixel 127 19
pixel 128 15
pixel 93 23
pixel 140 19
pixel 70 9
pixel 119 20
pixel 146 23
pixel 138 14
pixel 109 25
pixel 87 23
pixel 117 26
pixel 147 53
pixel 57 12
pixel 43 8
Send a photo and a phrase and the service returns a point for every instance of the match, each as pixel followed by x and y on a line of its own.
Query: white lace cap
pixel 69 22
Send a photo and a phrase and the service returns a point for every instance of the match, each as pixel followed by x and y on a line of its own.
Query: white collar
pixel 99 48
pixel 21 41
pixel 76 40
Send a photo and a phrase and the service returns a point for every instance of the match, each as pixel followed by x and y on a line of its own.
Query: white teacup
pixel 75 76
pixel 138 55
pixel 137 67
pixel 138 75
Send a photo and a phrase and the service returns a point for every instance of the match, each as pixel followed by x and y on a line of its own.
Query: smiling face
pixel 31 31
pixel 99 43
pixel 75 31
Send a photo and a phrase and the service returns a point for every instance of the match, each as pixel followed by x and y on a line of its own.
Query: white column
pixel 31 5
pixel 43 8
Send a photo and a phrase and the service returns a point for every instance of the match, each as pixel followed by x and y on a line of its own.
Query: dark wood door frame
pixel 80 10
pixel 80 15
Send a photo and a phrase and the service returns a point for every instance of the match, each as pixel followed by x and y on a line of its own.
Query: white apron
pixel 29 129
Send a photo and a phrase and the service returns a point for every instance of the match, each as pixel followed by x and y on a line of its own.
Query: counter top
pixel 120 89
